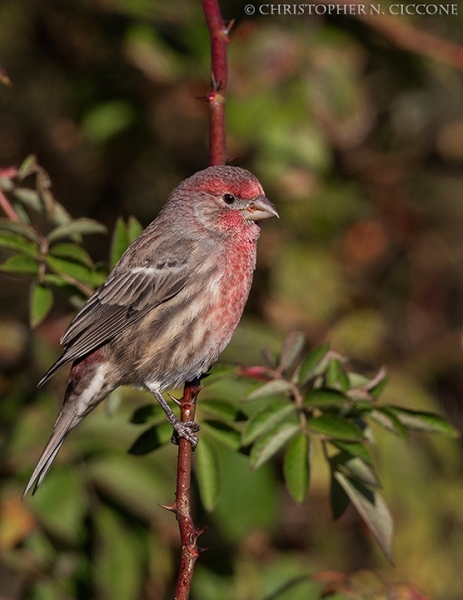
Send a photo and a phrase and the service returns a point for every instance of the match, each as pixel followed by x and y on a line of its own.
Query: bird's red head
pixel 227 198
pixel 235 180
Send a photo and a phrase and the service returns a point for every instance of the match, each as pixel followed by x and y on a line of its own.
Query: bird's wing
pixel 125 297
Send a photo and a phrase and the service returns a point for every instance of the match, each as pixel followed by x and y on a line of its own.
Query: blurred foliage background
pixel 358 142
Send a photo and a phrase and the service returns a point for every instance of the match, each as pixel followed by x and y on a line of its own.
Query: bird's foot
pixel 182 429
pixel 186 430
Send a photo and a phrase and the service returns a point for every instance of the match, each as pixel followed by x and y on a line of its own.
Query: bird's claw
pixel 186 430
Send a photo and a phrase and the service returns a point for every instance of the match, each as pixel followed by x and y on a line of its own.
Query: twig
pixel 417 40
pixel 182 508
pixel 405 35
pixel 7 208
pixel 219 76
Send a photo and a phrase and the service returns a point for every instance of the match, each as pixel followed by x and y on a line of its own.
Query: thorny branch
pixel 218 153
pixel 182 506
pixel 218 33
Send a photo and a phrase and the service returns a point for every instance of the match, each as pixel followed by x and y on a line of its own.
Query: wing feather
pixel 124 298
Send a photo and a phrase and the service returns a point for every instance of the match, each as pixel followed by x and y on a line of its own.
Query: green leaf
pixel 387 419
pixel 314 363
pixel 266 419
pixel 41 303
pixel 77 227
pixel 12 241
pixel 43 180
pixel 339 500
pixel 271 388
pixel 24 230
pixel 21 212
pixel 29 198
pixel 221 409
pixel 248 499
pixel 335 427
pixel 296 466
pixel 372 509
pixel 28 166
pixel 119 242
pixel 291 350
pixel 6 184
pixel 207 468
pixel 360 406
pixel 354 449
pixel 269 444
pixel 270 358
pixel 355 467
pixel 336 377
pixel 357 380
pixel 423 421
pixel 118 567
pixel 151 439
pixel 145 413
pixel 325 398
pixel 57 214
pixel 223 433
pixel 20 264
pixel 72 251
pixel 75 270
pixel 134 229
pixel 382 380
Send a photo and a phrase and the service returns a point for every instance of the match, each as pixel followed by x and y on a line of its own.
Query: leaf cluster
pixel 298 399
pixel 55 260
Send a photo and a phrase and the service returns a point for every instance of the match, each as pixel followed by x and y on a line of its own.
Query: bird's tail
pixel 66 421
pixel 90 381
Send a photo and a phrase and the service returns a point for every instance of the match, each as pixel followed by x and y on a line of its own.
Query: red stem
pixel 218 33
pixel 188 532
pixel 7 208
pixel 218 155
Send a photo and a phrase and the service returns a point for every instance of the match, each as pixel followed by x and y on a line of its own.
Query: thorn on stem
pixel 170 507
pixel 228 28
pixel 198 532
pixel 196 535
pixel 174 399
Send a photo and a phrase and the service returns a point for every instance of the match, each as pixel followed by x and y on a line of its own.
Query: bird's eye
pixel 228 198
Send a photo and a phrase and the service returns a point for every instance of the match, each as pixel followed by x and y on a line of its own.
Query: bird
pixel 169 306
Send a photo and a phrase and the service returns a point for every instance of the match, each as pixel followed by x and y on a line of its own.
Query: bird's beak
pixel 260 208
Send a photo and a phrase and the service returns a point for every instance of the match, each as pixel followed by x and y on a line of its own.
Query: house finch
pixel 170 305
